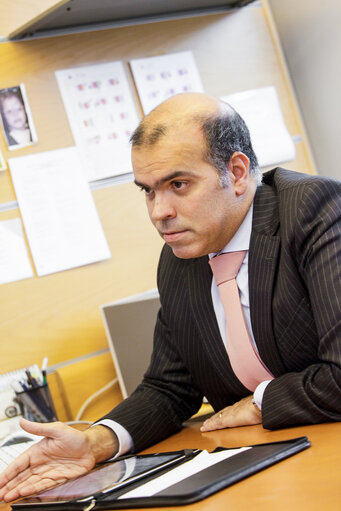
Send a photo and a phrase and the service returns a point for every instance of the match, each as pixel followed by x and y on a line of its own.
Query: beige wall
pixel 310 34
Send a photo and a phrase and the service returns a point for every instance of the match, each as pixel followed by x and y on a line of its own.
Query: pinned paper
pixel 260 109
pixel 158 78
pixel 58 211
pixel 102 117
pixel 14 260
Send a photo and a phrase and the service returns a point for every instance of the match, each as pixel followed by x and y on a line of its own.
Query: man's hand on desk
pixel 64 453
pixel 242 413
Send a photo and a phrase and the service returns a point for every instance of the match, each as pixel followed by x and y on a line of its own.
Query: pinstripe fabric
pixel 295 295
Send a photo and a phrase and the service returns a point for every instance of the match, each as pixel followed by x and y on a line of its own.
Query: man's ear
pixel 238 167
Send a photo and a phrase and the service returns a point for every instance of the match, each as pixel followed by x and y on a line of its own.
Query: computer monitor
pixel 129 325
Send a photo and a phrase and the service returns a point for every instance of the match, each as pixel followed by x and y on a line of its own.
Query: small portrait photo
pixel 16 118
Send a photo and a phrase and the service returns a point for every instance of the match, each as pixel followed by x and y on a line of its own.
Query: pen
pixel 30 379
pixel 43 370
pixel 23 385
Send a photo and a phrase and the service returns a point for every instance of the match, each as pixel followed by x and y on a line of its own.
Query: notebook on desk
pixel 129 325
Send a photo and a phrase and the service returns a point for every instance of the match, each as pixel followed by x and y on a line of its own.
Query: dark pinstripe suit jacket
pixel 295 296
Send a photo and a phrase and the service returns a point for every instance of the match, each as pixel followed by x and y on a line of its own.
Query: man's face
pixel 190 209
pixel 14 113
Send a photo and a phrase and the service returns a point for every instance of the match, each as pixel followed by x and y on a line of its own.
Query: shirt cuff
pixel 125 442
pixel 259 392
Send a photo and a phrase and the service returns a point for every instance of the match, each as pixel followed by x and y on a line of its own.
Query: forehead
pixel 173 157
pixel 11 102
pixel 178 143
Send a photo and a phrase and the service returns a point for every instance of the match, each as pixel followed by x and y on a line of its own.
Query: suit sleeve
pixel 313 395
pixel 167 396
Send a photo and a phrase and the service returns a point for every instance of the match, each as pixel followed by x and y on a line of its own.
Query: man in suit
pixel 193 158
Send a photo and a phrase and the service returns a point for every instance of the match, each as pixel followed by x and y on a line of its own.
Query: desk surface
pixel 309 480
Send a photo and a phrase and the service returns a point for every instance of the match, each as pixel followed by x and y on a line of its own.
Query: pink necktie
pixel 244 359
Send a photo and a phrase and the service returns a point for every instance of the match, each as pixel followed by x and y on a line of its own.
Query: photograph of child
pixel 16 118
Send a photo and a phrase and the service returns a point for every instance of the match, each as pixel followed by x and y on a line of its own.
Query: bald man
pixel 192 156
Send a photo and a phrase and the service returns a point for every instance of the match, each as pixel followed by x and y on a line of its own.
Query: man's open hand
pixel 242 413
pixel 63 453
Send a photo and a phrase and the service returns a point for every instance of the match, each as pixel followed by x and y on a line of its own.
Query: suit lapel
pixel 263 260
pixel 199 285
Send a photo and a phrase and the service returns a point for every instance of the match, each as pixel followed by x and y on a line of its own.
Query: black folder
pixel 106 486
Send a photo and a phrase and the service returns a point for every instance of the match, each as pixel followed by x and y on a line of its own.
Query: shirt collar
pixel 241 240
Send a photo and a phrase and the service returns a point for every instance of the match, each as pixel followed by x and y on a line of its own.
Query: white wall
pixel 310 33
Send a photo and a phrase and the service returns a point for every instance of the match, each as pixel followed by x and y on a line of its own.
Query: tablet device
pixel 107 477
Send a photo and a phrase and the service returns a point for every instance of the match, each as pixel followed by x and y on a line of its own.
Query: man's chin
pixel 186 252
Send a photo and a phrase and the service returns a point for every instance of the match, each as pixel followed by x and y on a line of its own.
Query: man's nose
pixel 162 209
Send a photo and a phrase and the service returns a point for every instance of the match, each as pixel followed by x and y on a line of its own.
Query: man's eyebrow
pixel 169 177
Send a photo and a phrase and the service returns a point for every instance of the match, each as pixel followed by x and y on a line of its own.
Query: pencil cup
pixel 36 404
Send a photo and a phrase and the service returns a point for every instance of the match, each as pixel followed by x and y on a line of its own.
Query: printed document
pixel 102 117
pixel 14 260
pixel 58 211
pixel 158 78
pixel 260 109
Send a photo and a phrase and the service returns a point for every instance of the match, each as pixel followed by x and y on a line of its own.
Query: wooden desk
pixel 309 480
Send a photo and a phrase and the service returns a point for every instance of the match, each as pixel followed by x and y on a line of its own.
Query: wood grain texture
pixel 307 481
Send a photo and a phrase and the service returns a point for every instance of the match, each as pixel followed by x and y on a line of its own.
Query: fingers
pixel 33 484
pixel 50 429
pixel 15 467
pixel 10 480
pixel 217 421
pixel 33 479
pixel 242 413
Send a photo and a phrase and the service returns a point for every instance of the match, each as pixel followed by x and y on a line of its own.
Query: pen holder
pixel 36 404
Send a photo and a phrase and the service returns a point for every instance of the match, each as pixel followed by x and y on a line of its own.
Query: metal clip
pixel 90 506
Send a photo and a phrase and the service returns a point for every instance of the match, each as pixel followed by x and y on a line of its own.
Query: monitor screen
pixel 129 325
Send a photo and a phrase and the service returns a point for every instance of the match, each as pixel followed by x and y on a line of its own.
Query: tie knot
pixel 226 266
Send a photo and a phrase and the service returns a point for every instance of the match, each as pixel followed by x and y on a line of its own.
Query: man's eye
pixel 146 190
pixel 179 184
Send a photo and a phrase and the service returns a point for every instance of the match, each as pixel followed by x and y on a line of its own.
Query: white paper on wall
pixel 14 260
pixel 102 116
pixel 58 211
pixel 158 78
pixel 260 109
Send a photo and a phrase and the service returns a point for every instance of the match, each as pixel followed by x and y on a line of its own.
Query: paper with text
pixel 102 116
pixel 14 260
pixel 158 78
pixel 260 109
pixel 177 474
pixel 58 211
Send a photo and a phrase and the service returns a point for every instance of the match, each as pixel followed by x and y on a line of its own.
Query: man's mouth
pixel 172 235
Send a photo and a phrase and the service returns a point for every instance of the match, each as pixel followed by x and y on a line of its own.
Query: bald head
pixel 176 111
pixel 223 130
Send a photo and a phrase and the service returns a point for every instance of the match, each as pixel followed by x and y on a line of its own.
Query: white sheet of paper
pixel 177 474
pixel 260 109
pixel 58 211
pixel 14 260
pixel 3 165
pixel 158 78
pixel 102 116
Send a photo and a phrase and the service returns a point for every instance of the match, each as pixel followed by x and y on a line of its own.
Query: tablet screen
pixel 104 478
